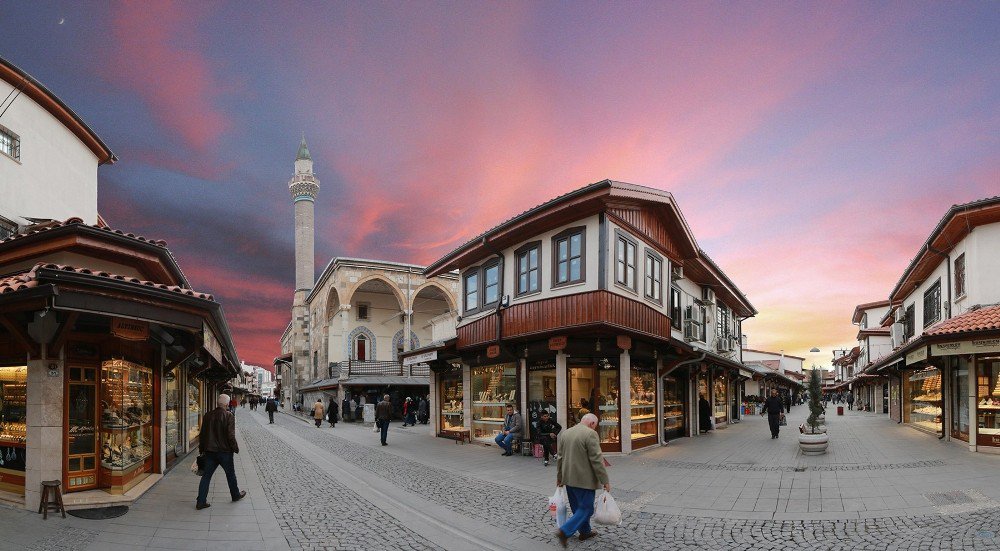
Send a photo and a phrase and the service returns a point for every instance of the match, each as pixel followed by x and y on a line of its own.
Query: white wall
pixel 57 174
pixel 982 281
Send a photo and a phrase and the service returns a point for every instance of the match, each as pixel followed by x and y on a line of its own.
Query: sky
pixel 812 147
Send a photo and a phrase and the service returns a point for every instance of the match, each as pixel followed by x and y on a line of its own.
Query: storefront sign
pixel 130 330
pixel 745 373
pixel 917 355
pixel 493 351
pixel 965 347
pixel 558 343
pixel 210 343
pixel 624 342
pixel 423 357
pixel 541 366
pixel 988 439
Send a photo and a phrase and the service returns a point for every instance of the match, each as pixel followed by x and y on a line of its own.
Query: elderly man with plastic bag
pixel 580 467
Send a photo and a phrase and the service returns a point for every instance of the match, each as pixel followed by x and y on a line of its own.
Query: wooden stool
pixel 56 503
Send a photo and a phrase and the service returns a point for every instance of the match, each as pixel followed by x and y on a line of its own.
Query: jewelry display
pixel 126 416
pixel 925 399
pixel 13 406
pixel 493 388
pixel 643 404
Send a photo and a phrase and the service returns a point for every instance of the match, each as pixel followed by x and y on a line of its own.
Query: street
pixel 882 486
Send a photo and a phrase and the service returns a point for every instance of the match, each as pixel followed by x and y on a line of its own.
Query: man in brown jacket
pixel 217 444
pixel 318 412
pixel 580 466
pixel 383 412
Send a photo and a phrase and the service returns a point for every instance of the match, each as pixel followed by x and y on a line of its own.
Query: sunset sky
pixel 811 150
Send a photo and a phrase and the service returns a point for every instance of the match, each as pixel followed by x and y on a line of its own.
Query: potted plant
pixel 813 439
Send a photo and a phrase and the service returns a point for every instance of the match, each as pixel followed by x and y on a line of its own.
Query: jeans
pixel 505 441
pixel 384 426
pixel 212 461
pixel 581 502
pixel 270 417
pixel 773 420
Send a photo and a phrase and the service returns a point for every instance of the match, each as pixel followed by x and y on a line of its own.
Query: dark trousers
pixel 270 417
pixel 384 427
pixel 548 446
pixel 319 422
pixel 214 460
pixel 772 421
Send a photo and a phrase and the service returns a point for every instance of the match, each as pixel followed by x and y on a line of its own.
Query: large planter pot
pixel 806 429
pixel 822 419
pixel 813 444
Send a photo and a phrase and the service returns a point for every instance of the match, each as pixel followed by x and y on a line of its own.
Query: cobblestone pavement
pixel 523 511
pixel 315 511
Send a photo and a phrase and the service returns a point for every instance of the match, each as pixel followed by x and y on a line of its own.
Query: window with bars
pixel 932 304
pixel 7 228
pixel 722 328
pixel 908 322
pixel 960 275
pixel 10 144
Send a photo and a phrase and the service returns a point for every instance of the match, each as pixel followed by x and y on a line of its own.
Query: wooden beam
pixel 62 333
pixel 20 335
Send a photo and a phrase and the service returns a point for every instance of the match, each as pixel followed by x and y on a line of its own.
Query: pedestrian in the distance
pixel 704 414
pixel 345 409
pixel 580 467
pixel 850 400
pixel 773 408
pixel 270 407
pixel 331 415
pixel 383 412
pixel 217 444
pixel 317 412
pixel 410 412
pixel 232 405
pixel 423 410
pixel 360 409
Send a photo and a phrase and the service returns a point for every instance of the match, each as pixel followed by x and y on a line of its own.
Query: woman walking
pixel 409 413
pixel 331 415
pixel 318 412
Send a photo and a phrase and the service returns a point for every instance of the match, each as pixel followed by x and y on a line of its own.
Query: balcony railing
pixel 370 368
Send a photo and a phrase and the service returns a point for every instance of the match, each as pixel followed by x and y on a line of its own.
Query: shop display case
pixel 988 403
pixel 171 416
pixel 193 411
pixel 609 428
pixel 126 423
pixel 720 398
pixel 673 407
pixel 452 404
pixel 925 399
pixel 493 387
pixel 13 428
pixel 643 408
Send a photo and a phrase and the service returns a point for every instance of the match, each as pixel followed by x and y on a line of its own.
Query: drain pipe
pixel 663 441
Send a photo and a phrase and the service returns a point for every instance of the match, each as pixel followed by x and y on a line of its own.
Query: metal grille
pixel 10 144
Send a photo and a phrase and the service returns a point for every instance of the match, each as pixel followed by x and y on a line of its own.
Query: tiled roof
pixel 52 224
pixel 29 279
pixel 980 319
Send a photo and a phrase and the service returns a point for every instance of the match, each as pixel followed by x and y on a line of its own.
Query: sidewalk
pixel 875 468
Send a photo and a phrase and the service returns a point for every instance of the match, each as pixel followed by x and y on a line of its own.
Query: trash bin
pixel 840 410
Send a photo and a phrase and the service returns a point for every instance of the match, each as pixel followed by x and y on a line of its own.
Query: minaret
pixel 304 186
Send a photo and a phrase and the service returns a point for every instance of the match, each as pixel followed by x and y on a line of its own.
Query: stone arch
pixel 361 330
pixel 332 304
pixel 449 299
pixel 393 287
pixel 397 341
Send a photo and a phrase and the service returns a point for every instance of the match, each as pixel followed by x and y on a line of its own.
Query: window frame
pixel 15 144
pixel 722 320
pixel 676 322
pixel 474 271
pixel 657 280
pixel 368 311
pixel 960 287
pixel 495 263
pixel 632 285
pixel 930 293
pixel 525 250
pixel 567 235
pixel 909 321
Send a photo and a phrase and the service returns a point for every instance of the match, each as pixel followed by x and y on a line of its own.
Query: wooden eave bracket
pixel 20 335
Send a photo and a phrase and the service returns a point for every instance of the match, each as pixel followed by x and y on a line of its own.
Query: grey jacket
pixel 514 424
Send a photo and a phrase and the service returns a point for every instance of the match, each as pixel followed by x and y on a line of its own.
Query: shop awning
pixel 385 381
pixel 321 384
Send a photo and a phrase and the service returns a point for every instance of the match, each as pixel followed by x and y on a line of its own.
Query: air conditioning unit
pixel 734 343
pixel 723 345
pixel 896 332
pixel 691 331
pixel 694 313
pixel 707 295
pixel 676 272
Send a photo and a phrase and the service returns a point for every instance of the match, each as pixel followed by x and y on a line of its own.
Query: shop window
pixel 13 427
pixel 528 270
pixel 541 393
pixel 171 414
pixel 643 404
pixel 493 387
pixel 988 402
pixel 960 398
pixel 932 304
pixel 450 398
pixel 10 144
pixel 720 398
pixel 568 257
pixel 675 308
pixel 593 387
pixel 126 423
pixel 674 398
pixel 960 276
pixel 625 261
pixel 925 399
pixel 194 400
pixel 653 288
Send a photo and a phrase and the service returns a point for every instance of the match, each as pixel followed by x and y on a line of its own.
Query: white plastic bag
pixel 606 510
pixel 558 505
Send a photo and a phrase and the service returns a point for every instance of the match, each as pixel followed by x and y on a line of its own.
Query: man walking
pixel 850 400
pixel 773 408
pixel 423 410
pixel 513 426
pixel 580 467
pixel 270 408
pixel 383 412
pixel 317 412
pixel 217 444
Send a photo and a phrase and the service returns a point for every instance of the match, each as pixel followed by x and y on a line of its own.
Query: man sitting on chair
pixel 512 428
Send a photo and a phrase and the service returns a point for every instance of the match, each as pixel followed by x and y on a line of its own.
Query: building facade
pixel 597 301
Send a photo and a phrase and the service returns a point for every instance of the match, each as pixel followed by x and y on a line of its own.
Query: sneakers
pixel 546 464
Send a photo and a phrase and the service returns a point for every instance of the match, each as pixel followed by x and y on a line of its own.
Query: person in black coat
pixel 704 414
pixel 773 408
pixel 331 412
pixel 547 430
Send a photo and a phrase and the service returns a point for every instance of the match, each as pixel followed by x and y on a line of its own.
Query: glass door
pixel 594 389
pixel 81 437
pixel 674 391
pixel 960 399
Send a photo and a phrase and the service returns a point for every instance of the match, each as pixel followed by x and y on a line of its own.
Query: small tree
pixel 815 406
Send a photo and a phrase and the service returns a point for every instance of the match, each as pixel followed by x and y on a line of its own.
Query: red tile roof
pixel 52 224
pixel 980 319
pixel 29 279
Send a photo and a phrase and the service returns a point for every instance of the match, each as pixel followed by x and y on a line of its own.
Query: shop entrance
pixel 13 427
pixel 594 389
pixel 674 406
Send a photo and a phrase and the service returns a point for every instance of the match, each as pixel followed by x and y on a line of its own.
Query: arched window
pixel 361 348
